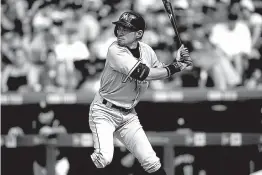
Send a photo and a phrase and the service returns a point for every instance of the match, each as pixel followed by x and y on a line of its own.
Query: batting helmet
pixel 131 20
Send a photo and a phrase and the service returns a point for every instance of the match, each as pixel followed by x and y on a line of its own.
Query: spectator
pixel 231 40
pixel 21 75
pixel 41 42
pixel 206 60
pixel 8 42
pixel 43 25
pixel 88 25
pixel 47 125
pixel 12 15
pixel 100 45
pixel 147 5
pixel 254 22
pixel 49 79
pixel 151 37
pixel 71 50
pixel 42 19
pixel 255 80
pixel 252 19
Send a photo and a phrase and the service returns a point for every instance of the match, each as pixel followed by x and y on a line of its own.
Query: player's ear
pixel 139 34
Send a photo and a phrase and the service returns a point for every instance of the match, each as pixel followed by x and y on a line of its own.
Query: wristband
pixel 172 68
pixel 168 71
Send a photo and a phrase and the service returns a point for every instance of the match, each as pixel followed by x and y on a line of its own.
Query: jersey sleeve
pixel 120 60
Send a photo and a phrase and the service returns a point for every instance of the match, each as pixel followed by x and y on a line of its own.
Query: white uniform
pixel 112 110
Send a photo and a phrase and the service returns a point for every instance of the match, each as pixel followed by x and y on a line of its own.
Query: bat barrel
pixel 171 14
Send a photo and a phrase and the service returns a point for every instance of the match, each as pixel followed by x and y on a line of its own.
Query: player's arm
pixel 122 62
pixel 256 21
pixel 256 34
pixel 165 72
pixel 157 74
pixel 162 71
pixel 143 72
pixel 131 67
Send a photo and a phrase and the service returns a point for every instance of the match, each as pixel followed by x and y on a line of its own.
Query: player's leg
pixel 102 131
pixel 134 138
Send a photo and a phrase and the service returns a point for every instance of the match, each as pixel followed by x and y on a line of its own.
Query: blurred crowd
pixel 61 45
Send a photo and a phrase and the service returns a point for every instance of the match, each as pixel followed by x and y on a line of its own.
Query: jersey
pixel 255 20
pixel 231 42
pixel 116 85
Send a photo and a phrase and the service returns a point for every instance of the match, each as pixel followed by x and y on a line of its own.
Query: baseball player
pixel 129 67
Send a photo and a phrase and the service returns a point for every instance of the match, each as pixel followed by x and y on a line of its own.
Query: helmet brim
pixel 126 24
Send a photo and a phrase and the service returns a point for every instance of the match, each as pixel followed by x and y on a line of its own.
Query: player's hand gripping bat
pixel 171 15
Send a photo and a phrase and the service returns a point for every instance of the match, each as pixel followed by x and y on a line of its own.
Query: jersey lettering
pixel 130 79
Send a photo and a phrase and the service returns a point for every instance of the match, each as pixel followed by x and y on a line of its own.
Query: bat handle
pixel 176 29
pixel 179 41
pixel 178 36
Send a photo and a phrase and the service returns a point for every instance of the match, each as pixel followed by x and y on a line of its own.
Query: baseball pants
pixel 106 122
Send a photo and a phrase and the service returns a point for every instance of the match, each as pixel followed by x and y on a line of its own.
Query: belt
pixel 111 105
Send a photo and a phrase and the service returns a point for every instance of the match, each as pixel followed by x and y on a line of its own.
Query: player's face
pixel 125 36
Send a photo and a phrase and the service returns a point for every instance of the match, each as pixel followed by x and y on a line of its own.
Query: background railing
pixel 168 140
pixel 221 129
pixel 183 95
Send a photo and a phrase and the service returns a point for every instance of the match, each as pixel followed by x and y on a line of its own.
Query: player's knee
pixel 151 164
pixel 101 160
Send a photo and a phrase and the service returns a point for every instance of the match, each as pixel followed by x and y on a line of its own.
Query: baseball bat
pixel 171 15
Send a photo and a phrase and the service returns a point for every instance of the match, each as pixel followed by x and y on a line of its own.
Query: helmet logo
pixel 127 17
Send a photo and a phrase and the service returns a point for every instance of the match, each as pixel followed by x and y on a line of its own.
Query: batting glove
pixel 182 61
pixel 183 57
